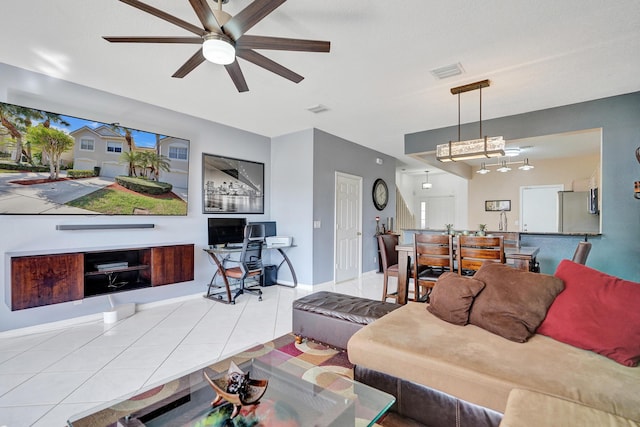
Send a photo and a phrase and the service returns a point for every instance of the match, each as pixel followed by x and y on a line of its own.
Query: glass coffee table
pixel 298 394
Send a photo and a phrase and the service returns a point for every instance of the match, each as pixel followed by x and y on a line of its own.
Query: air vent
pixel 448 71
pixel 319 108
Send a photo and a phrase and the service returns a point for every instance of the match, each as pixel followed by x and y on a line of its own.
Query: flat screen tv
pixel 54 164
pixel 226 231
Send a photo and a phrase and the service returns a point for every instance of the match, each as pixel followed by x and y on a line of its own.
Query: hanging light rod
pixel 483 147
pixel 469 87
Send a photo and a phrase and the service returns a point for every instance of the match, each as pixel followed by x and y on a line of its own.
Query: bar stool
pixel 389 256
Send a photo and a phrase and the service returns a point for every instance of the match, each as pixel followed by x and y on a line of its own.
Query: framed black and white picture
pixel 497 205
pixel 232 185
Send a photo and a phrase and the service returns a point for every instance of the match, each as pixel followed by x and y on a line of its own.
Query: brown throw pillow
pixel 514 302
pixel 452 296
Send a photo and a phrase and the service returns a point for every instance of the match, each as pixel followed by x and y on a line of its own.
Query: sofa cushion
pixel 596 312
pixel 526 408
pixel 452 296
pixel 514 302
pixel 482 368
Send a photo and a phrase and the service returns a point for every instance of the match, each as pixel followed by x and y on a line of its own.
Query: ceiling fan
pixel 223 39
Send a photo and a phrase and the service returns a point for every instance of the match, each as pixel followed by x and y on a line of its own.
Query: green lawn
pixel 113 202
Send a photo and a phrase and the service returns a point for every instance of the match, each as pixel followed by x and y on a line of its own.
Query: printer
pixel 278 240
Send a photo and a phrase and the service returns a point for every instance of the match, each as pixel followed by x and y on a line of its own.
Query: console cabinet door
pixel 172 264
pixel 46 279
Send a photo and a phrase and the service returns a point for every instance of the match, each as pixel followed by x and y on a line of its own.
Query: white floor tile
pixel 140 357
pixel 83 366
pixel 32 361
pixel 109 384
pixel 60 414
pixel 23 416
pixel 87 359
pixel 44 388
pixel 9 381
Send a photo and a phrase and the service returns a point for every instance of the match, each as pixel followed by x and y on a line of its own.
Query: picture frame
pixel 497 205
pixel 232 186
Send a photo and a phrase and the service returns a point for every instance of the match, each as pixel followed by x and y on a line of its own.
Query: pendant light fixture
pixel 504 167
pixel 483 170
pixel 483 147
pixel 426 185
pixel 526 166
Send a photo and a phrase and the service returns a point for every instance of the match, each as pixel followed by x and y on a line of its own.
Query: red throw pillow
pixel 596 312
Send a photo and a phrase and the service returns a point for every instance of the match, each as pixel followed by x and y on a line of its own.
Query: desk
pixel 522 258
pixel 219 255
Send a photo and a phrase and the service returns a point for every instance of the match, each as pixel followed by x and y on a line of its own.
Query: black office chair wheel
pixel 260 298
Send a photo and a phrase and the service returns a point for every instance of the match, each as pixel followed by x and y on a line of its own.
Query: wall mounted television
pixel 91 157
pixel 225 231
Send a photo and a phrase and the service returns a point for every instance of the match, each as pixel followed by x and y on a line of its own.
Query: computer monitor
pixel 225 231
pixel 269 227
pixel 254 231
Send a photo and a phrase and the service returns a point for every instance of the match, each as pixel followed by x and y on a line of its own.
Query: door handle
pixel 359 233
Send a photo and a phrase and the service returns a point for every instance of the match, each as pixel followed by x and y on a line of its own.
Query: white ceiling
pixel 376 81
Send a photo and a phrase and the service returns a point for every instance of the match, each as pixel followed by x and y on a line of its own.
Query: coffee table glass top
pixel 298 394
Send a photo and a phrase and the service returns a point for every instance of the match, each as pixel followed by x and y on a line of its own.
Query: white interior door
pixel 348 227
pixel 539 208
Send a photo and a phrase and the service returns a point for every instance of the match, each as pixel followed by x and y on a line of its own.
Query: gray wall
pixel 38 233
pixel 332 154
pixel 304 172
pixel 617 251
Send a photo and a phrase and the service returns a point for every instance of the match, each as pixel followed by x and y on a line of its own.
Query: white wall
pixel 292 204
pixel 38 233
pixel 444 184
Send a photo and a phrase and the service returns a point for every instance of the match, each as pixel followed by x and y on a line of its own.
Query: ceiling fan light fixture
pixel 219 49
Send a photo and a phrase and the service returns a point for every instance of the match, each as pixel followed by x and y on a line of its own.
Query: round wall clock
pixel 380 194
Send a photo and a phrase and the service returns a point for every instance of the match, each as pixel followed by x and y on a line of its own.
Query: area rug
pixel 308 360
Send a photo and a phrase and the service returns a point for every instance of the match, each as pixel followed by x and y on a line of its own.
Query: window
pixel 178 153
pixel 114 147
pixel 86 144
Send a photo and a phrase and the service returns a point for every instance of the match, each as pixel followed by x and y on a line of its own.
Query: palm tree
pixel 126 132
pixel 133 158
pixel 157 163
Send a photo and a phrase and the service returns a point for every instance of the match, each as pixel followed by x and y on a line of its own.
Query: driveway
pixel 47 198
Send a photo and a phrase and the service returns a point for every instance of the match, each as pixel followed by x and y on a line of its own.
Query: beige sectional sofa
pixel 480 369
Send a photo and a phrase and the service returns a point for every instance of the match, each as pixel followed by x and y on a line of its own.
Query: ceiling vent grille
pixel 319 108
pixel 448 71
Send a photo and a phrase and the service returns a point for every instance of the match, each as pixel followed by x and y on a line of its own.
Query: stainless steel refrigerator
pixel 574 212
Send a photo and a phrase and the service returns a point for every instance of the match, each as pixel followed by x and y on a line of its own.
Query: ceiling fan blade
pixel 187 67
pixel 164 15
pixel 205 14
pixel 191 40
pixel 279 43
pixel 236 75
pixel 250 16
pixel 268 64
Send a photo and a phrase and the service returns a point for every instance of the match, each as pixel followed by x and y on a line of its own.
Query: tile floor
pixel 49 376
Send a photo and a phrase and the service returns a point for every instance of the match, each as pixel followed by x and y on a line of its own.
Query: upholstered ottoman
pixel 332 318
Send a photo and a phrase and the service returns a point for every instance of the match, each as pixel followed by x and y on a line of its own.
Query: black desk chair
pixel 249 264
